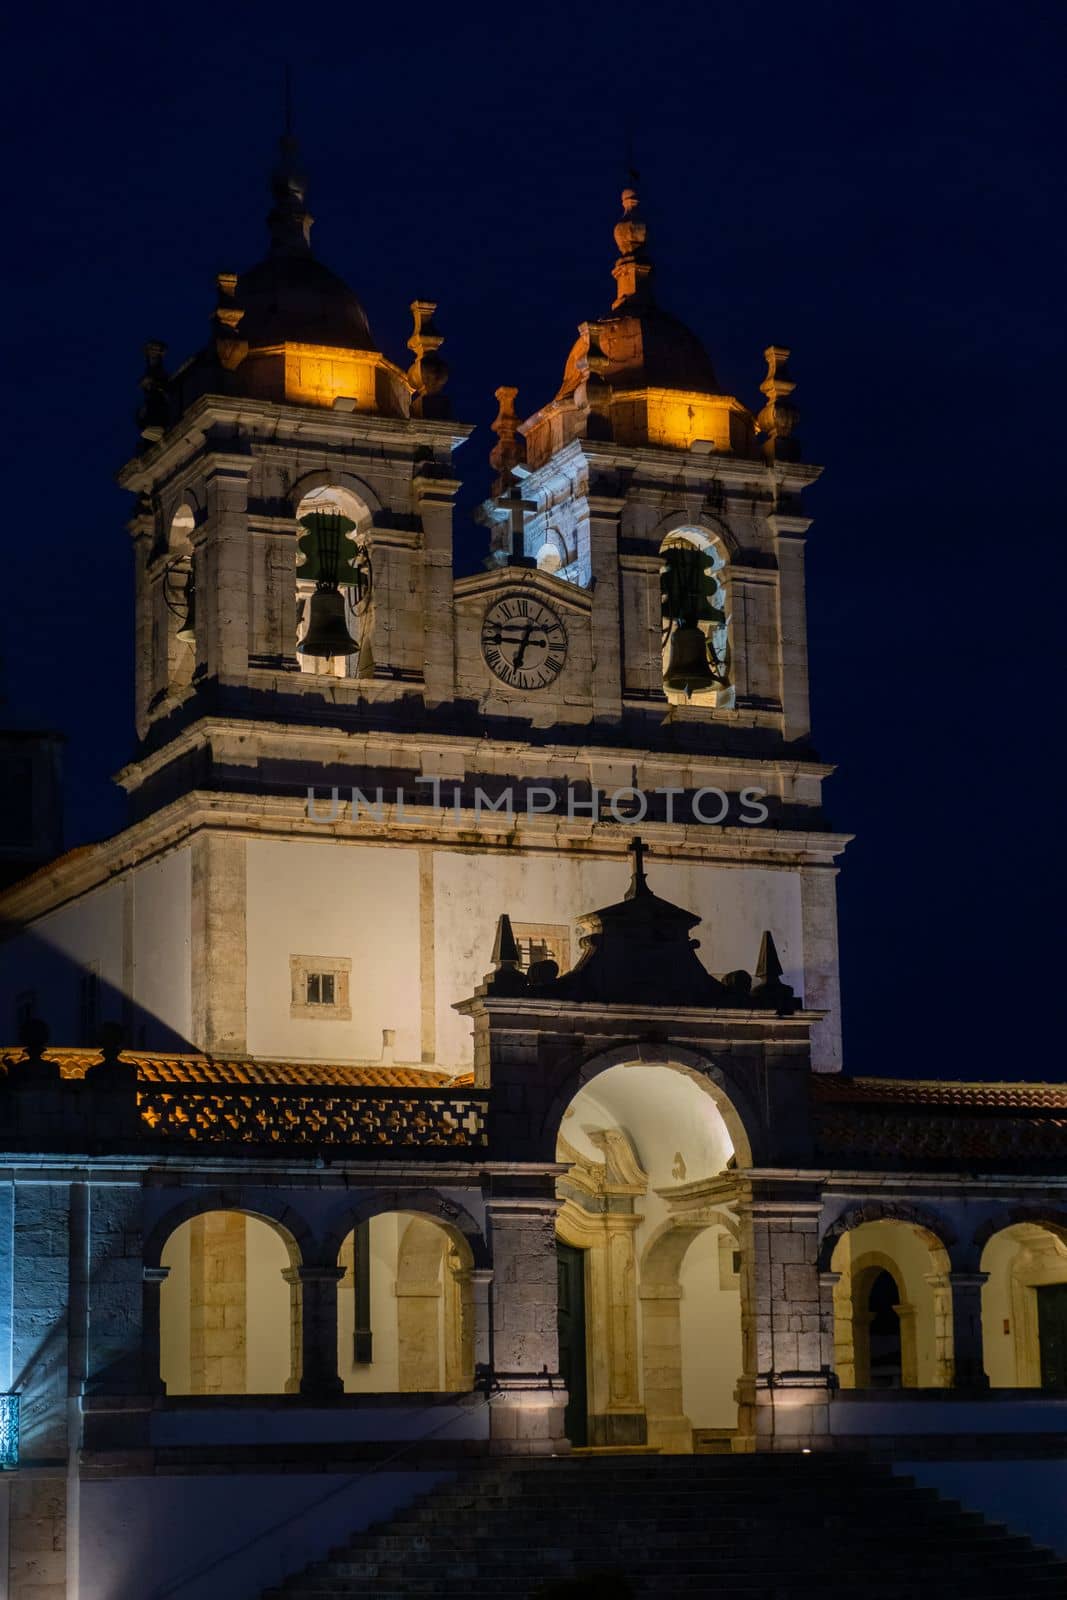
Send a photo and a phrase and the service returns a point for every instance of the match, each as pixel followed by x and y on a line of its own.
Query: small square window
pixel 319 988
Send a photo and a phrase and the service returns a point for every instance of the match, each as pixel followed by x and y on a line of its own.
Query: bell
pixel 327 632
pixel 688 668
pixel 187 627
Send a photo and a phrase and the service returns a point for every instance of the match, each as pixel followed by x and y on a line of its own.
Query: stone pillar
pixel 218 1310
pixel 828 1282
pixel 222 570
pixel 604 512
pixel 528 1402
pixel 789 534
pixel 668 1426
pixel 783 1395
pixel 481 1314
pixel 313 1298
pixel 966 1290
pixel 435 492
pixel 219 943
pixel 151 1378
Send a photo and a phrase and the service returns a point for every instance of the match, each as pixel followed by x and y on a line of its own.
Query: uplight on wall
pixel 9 1430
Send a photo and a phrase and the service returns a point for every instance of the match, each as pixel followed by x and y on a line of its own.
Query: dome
pixel 294 299
pixel 642 349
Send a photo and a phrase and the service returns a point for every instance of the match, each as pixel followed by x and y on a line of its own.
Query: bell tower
pixel 643 482
pixel 295 489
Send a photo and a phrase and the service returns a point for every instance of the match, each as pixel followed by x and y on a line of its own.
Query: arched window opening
pixel 877 1325
pixel 695 605
pixel 227 1308
pixel 405 1311
pixel 650 1265
pixel 177 621
pixel 1024 1307
pixel 333 584
pixel 892 1308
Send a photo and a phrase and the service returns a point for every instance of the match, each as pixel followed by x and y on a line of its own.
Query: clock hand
pixel 523 645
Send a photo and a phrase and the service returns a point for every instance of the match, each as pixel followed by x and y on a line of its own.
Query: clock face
pixel 524 642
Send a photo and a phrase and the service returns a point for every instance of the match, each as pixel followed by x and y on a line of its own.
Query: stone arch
pixel 660 1295
pixel 457 1220
pixel 1040 1216
pixel 266 1207
pixel 927 1221
pixel 228 1283
pixel 924 1310
pixel 732 1100
pixel 434 1307
pixel 324 478
pixel 684 519
pixel 1023 1260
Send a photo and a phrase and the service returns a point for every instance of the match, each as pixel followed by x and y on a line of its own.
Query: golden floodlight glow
pixel 674 418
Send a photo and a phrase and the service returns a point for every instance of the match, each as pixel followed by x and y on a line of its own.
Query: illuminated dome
pixel 638 375
pixel 296 300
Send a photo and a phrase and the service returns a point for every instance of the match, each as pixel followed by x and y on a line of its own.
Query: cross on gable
pixel 517 508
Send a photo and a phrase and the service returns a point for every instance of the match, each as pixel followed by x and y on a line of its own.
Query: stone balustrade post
pixel 313 1298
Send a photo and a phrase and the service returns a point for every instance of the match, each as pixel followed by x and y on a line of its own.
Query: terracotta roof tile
pixel 918 1092
pixel 191 1068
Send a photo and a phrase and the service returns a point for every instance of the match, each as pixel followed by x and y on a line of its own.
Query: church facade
pixel 446 1059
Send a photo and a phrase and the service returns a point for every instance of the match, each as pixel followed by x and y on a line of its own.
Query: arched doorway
pixel 649 1279
pixel 1024 1307
pixel 227 1307
pixel 892 1307
pixel 405 1312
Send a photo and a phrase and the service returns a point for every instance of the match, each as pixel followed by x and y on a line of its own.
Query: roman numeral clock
pixel 524 642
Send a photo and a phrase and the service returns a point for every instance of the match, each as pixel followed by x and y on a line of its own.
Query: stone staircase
pixel 732 1528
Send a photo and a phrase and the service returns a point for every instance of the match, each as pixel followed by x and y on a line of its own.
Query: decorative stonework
pixel 262 1116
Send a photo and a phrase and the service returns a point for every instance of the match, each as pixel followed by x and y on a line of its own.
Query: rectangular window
pixel 319 988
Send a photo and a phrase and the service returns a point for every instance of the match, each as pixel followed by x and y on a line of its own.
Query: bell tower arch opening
pixel 333 583
pixel 694 588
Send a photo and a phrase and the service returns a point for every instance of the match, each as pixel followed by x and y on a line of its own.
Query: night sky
pixel 878 187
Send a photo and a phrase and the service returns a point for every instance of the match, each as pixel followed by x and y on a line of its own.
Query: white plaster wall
pixel 161 953
pixel 736 905
pixel 711 1336
pixel 51 957
pixel 381 1375
pixel 332 898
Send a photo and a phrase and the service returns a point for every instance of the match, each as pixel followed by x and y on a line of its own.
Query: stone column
pixel 313 1299
pixel 481 1312
pixel 966 1290
pixel 435 492
pixel 828 1282
pixel 526 1414
pixel 222 569
pixel 218 1311
pixel 784 1393
pixel 789 534
pixel 668 1426
pixel 151 1378
pixel 219 943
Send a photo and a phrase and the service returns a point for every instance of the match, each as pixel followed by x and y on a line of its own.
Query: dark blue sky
pixel 878 187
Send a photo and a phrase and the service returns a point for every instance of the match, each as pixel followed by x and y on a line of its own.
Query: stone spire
pixel 289 220
pixel 632 271
pixel 778 419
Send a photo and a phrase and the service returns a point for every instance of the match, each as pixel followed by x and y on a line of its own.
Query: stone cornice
pixel 476 753
pixel 282 817
pixel 189 433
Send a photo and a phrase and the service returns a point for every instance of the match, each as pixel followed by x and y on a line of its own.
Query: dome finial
pixel 289 220
pixel 632 271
